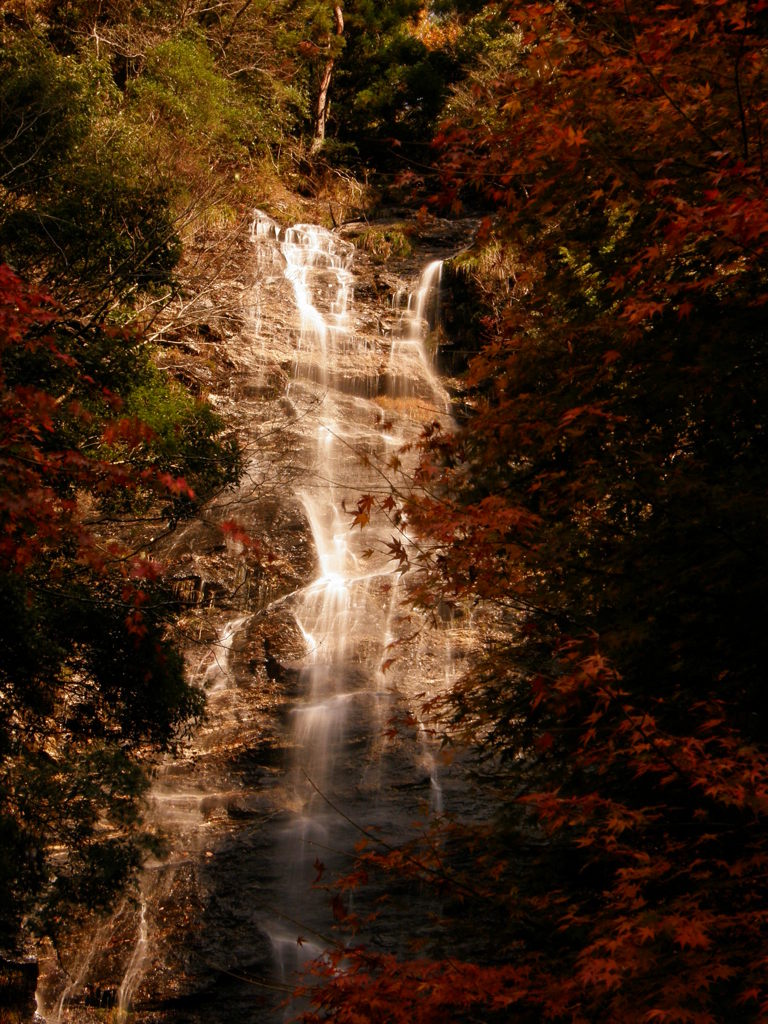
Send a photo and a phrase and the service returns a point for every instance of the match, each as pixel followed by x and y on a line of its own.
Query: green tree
pixel 79 211
pixel 389 85
pixel 379 75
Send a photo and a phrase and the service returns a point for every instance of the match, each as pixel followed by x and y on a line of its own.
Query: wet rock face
pixel 287 634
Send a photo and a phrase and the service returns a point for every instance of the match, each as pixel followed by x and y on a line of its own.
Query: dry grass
pixel 412 407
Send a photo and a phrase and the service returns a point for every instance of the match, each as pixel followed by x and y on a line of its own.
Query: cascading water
pixel 345 614
pixel 224 922
pixel 181 804
pixel 135 965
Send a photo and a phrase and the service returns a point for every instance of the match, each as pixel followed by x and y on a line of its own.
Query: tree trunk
pixel 323 102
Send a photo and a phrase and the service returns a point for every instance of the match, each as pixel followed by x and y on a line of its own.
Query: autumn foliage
pixel 88 674
pixel 606 501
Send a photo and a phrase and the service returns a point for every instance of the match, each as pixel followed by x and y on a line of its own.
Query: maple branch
pixel 274 986
pixel 657 83
pixel 442 875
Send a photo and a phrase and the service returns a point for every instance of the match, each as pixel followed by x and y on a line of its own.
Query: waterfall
pixel 345 613
pixel 135 965
pixel 411 370
pixel 292 757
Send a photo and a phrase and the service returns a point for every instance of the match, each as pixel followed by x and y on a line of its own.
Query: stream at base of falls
pixel 296 754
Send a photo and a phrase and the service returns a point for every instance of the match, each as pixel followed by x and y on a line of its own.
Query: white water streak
pixel 135 968
pixel 346 615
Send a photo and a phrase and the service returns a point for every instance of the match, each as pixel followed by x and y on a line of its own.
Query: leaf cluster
pixel 604 503
pixel 90 681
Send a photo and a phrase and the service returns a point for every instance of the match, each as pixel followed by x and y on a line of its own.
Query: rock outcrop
pixel 210 935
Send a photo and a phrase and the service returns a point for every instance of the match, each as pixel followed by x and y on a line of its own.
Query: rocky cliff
pixel 306 345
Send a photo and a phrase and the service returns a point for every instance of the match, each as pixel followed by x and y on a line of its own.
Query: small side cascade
pixel 424 302
pixel 180 807
pixel 135 967
pixel 217 675
pixel 56 1012
pixel 411 368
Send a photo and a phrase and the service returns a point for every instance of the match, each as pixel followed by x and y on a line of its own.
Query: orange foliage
pixel 608 493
